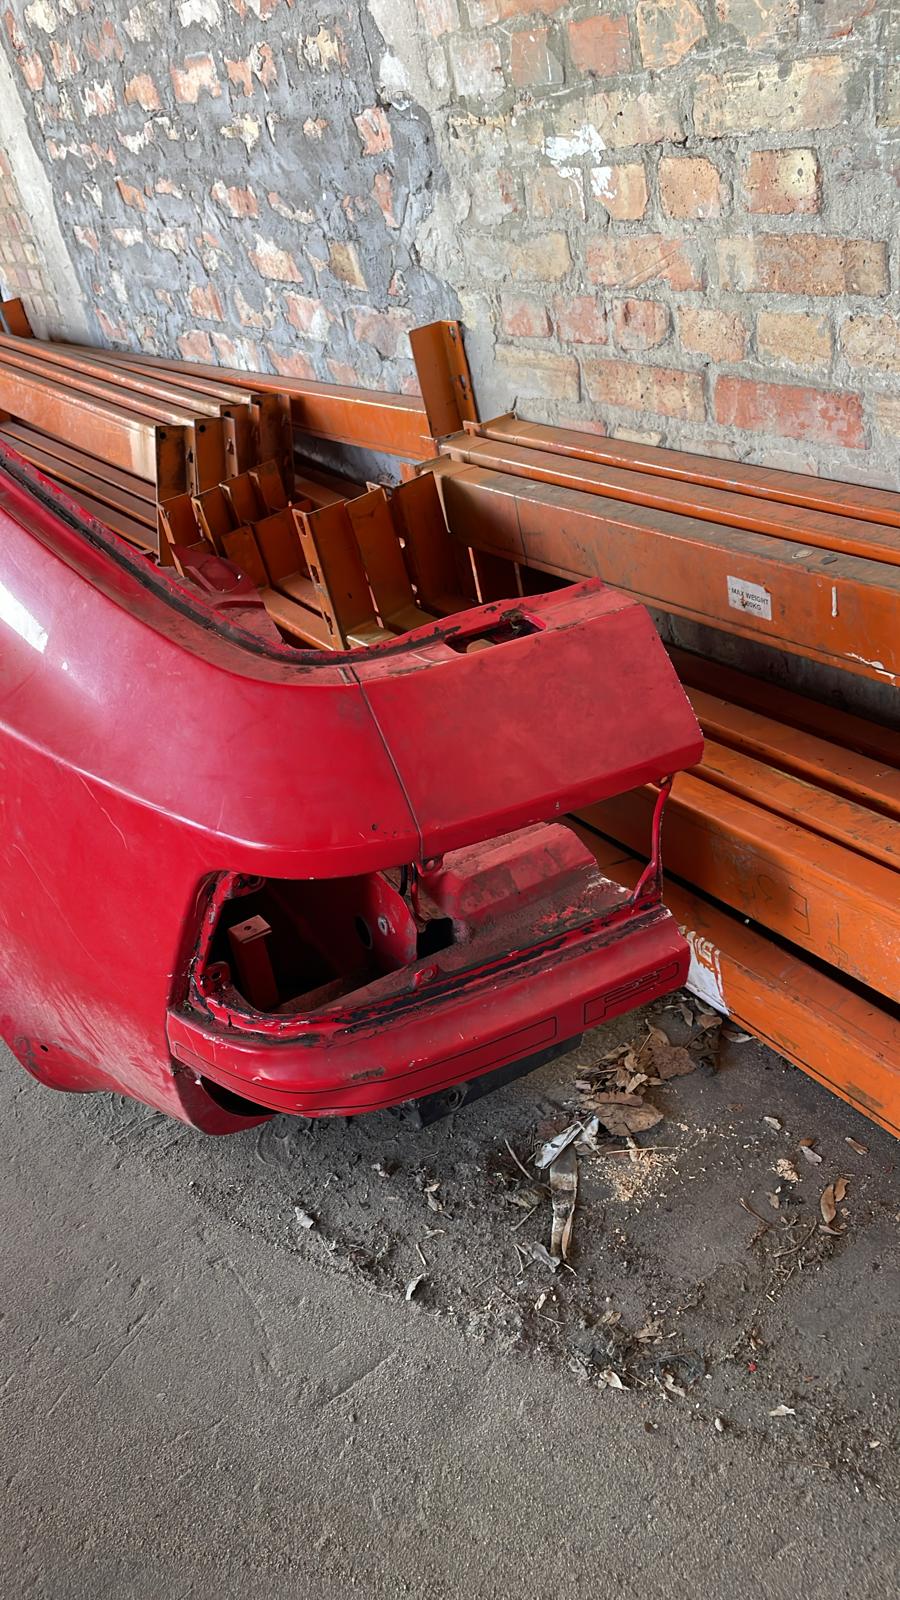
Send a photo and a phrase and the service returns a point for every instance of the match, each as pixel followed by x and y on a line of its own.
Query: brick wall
pixel 22 272
pixel 674 220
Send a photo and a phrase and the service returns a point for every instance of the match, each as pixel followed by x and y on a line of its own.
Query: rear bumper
pixel 428 1045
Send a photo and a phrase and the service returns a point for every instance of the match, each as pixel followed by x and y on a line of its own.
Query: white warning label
pixel 752 597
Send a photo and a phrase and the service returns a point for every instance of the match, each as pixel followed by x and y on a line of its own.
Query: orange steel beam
pixel 829 900
pixel 84 363
pixel 830 1032
pixel 94 484
pixel 444 377
pixel 439 566
pixel 24 439
pixel 764 483
pixel 14 318
pixel 115 434
pixel 720 506
pixel 828 722
pixel 392 424
pixel 376 536
pixel 838 609
pixel 831 815
pixel 827 766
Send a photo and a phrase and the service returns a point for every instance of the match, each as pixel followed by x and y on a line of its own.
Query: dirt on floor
pixel 739 1258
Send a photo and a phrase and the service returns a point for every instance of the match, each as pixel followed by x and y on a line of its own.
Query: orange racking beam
pixel 831 901
pixel 828 766
pixel 723 507
pixel 124 438
pixel 829 722
pixel 839 1037
pixel 831 815
pixel 763 483
pixel 811 602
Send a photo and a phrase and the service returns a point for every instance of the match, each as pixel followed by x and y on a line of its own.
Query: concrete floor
pixel 192 1408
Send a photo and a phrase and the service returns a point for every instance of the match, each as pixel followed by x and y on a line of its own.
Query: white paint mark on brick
pixel 205 13
pixel 562 149
pixel 749 597
pixel 42 15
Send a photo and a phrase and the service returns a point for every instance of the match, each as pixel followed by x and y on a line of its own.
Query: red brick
pixel 483 13
pixel 112 328
pixel 872 342
pixel 104 44
pixel 239 202
pixel 343 372
pixel 205 302
pixel 760 22
pixel 600 45
pixel 531 63
pixel 624 263
pixel 774 96
pixel 374 130
pixel 198 75
pixel 545 259
pixel 792 411
pixel 477 68
pixel 64 61
pixel 580 319
pixel 240 74
pixel 264 66
pixel 781 182
pixel 640 324
pixel 195 346
pixel 690 186
pixel 99 99
pixel 248 316
pixel 665 390
pixel 439 16
pixel 294 365
pixel 839 17
pixel 621 190
pixel 667 30
pixel 538 374
pixel 383 190
pixel 271 261
pixel 524 317
pixel 142 91
pixel 793 337
pixel 386 331
pixel 310 317
pixel 87 237
pixel 242 353
pixel 551 193
pixel 887 413
pixel 803 263
pixel 718 335
pixel 32 69
pixel 344 263
pixel 130 195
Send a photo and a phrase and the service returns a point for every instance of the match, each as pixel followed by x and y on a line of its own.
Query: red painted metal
pixel 160 760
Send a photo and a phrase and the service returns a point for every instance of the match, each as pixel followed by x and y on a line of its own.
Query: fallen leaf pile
pixel 614 1092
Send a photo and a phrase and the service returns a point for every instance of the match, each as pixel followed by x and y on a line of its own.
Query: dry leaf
pixel 787 1170
pixel 303 1218
pixel 671 1387
pixel 861 1149
pixel 663 1060
pixel 840 1189
pixel 783 1411
pixel 622 1120
pixel 719 1425
pixel 611 1379
pixel 554 1147
pixel 809 1154
pixel 774 1201
pixel 540 1253
pixel 774 1123
pixel 414 1284
pixel 563 1175
pixel 827 1205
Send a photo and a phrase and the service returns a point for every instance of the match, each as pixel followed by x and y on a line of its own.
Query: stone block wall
pixel 675 220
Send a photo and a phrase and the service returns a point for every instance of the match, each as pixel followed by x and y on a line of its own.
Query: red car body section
pixel 158 763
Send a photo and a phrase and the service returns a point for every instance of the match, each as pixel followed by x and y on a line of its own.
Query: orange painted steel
pixel 722 507
pixel 25 439
pixel 444 377
pixel 763 483
pixel 59 359
pixel 823 764
pixel 78 479
pixel 831 815
pixel 372 419
pixel 829 900
pixel 114 433
pixel 829 722
pixel 838 609
pixel 92 385
pixel 844 1040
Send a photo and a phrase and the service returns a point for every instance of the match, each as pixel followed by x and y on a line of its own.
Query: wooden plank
pixel 835 1035
pixel 763 483
pixel 833 608
pixel 831 901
